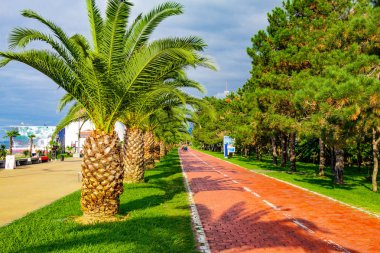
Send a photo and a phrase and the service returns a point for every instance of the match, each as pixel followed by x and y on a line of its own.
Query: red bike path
pixel 243 211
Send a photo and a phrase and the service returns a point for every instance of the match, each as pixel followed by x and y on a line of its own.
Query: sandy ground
pixel 31 187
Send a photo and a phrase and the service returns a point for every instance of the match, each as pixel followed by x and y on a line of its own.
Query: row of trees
pixel 120 75
pixel 314 81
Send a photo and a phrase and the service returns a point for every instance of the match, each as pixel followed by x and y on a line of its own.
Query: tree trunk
pixel 322 157
pixel 156 151
pixel 102 173
pixel 360 157
pixel 149 150
pixel 375 150
pixel 133 156
pixel 274 150
pixel 284 156
pixel 162 149
pixel 293 157
pixel 332 160
pixel 339 166
pixel 30 147
pixel 10 145
pixel 257 152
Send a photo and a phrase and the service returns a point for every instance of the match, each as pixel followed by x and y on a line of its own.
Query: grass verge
pixel 356 191
pixel 158 220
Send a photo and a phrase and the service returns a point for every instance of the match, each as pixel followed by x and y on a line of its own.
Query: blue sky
pixel 29 97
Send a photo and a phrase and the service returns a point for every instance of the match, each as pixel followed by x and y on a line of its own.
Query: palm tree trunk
pixel 293 158
pixel 30 148
pixel 162 149
pixel 10 145
pixel 102 172
pixel 284 156
pixel 339 165
pixel 375 151
pixel 149 150
pixel 156 151
pixel 274 150
pixel 133 156
pixel 322 157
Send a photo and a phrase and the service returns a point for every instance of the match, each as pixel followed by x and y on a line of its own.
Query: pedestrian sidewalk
pixel 242 211
pixel 31 187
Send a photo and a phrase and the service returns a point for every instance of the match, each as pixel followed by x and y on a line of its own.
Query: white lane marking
pixel 225 175
pixel 256 194
pixel 200 235
pixel 299 187
pixel 303 226
pixel 236 182
pixel 271 205
pixel 247 189
pixel 337 246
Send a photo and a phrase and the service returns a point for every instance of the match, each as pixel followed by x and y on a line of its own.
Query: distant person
pixel 34 152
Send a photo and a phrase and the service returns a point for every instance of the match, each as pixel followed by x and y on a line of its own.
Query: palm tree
pixel 103 77
pixel 31 137
pixel 168 114
pixel 11 134
pixel 134 119
pixel 168 96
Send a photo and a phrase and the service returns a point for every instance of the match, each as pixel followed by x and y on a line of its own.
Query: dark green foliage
pixel 3 152
pixel 315 73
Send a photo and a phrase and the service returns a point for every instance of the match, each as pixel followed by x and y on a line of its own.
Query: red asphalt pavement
pixel 242 211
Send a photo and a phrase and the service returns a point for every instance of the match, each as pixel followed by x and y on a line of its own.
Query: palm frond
pixel 82 44
pixel 58 32
pixel 140 31
pixel 21 37
pixel 96 23
pixel 50 65
pixel 64 101
pixel 117 14
pixel 75 113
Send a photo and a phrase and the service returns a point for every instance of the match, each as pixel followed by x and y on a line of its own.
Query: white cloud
pixel 225 26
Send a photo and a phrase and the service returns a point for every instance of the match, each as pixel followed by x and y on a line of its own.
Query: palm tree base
pixel 150 166
pixel 102 172
pixel 89 220
pixel 133 181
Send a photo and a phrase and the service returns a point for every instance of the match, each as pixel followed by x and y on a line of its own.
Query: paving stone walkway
pixel 31 187
pixel 242 211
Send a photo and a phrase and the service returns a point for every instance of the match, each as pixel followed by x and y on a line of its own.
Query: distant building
pixel 76 133
pixel 41 141
pixel 226 92
pixel 73 135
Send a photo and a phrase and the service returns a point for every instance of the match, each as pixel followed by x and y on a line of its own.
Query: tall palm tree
pixel 11 134
pixel 103 77
pixel 31 137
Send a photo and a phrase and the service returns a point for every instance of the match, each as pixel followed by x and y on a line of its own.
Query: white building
pixel 76 133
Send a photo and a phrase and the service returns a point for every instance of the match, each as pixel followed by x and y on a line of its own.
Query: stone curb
pixel 200 235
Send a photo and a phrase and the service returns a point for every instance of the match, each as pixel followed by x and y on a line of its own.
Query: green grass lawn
pixel 158 220
pixel 356 191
